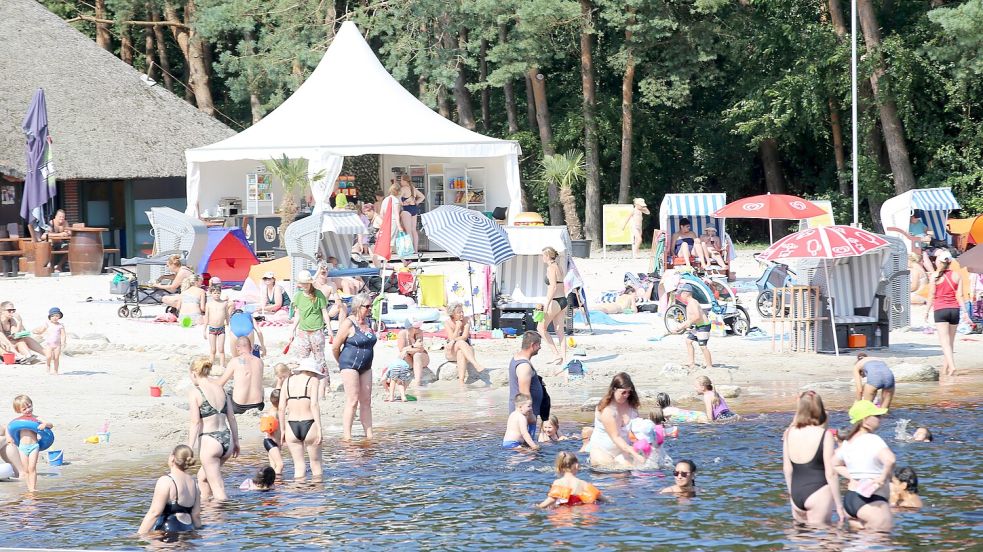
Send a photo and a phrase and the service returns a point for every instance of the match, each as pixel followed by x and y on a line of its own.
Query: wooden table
pixel 85 250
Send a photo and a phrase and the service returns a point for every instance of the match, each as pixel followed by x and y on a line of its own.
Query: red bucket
pixel 8 358
pixel 154 391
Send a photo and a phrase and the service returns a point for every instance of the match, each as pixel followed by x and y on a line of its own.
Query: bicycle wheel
pixel 764 303
pixel 675 316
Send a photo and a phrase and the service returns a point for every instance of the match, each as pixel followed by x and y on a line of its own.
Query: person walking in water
pixel 865 459
pixel 945 292
pixel 353 350
pixel 524 380
pixel 696 326
pixel 246 373
pixel 879 378
pixel 807 460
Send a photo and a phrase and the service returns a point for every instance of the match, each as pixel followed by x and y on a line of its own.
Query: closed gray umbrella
pixel 36 189
pixel 972 260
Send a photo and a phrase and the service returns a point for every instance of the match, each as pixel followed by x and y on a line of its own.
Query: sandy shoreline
pixel 106 370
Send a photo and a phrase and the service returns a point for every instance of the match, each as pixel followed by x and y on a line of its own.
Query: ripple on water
pixel 453 488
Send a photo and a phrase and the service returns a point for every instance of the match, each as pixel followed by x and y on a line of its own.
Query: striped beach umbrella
pixel 467 234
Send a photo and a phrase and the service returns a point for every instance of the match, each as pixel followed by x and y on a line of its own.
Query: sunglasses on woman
pixel 681 473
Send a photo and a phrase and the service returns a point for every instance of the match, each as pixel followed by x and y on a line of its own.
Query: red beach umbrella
pixel 827 242
pixel 770 206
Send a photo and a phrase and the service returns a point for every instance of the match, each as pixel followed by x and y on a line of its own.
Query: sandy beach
pixel 110 364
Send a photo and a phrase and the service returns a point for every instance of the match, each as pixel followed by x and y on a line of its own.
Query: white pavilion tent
pixel 350 105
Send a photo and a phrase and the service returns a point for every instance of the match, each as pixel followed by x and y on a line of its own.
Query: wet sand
pixel 106 370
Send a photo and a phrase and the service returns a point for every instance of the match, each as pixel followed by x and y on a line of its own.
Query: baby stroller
pixel 125 283
pixel 776 275
pixel 715 296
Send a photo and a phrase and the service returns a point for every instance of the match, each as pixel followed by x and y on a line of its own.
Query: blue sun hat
pixel 55 310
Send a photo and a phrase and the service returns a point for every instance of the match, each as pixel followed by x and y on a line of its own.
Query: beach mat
pixel 603 319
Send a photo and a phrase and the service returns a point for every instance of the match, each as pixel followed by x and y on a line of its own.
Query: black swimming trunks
pixel 853 502
pixel 240 408
pixel 269 444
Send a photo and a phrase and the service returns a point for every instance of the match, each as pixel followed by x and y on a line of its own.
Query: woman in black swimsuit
pixel 213 428
pixel 807 458
pixel 354 351
pixel 410 198
pixel 556 306
pixel 167 513
pixel 300 418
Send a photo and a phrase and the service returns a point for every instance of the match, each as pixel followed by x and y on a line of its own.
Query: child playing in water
pixel 904 488
pixel 550 432
pixel 517 432
pixel 270 425
pixel 585 434
pixel 262 481
pixel 55 338
pixel 397 376
pixel 678 414
pixel 28 445
pixel 569 489
pixel 716 406
pixel 216 319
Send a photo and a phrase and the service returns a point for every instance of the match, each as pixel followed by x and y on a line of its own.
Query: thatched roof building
pixel 105 122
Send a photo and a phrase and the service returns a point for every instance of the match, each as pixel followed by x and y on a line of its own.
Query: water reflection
pixel 453 487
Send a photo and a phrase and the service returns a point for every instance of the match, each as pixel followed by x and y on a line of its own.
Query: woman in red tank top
pixel 944 300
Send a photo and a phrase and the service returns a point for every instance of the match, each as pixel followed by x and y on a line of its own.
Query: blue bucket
pixel 55 457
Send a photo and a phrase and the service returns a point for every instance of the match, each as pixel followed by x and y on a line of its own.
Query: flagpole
pixel 855 122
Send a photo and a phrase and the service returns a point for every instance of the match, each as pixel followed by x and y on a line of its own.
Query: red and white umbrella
pixel 770 206
pixel 827 242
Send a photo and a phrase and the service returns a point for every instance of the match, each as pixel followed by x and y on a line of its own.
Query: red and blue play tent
pixel 227 255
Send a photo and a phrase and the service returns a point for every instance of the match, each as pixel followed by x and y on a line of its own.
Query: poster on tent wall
pixel 259 193
pixel 615 229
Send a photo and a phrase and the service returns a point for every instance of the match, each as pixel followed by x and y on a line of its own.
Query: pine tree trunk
pixel 836 17
pixel 897 149
pixel 837 130
pixel 103 38
pixel 485 97
pixel 125 45
pixel 530 105
pixel 148 52
pixel 443 103
pixel 627 92
pixel 462 96
pixel 191 46
pixel 509 89
pixel 546 137
pixel 159 40
pixel 772 163
pixel 592 207
pixel 255 106
pixel 330 20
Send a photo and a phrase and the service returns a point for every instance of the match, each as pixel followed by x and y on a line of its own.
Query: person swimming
pixel 685 477
pixel 904 488
pixel 570 490
pixel 716 406
pixel 262 481
pixel 678 414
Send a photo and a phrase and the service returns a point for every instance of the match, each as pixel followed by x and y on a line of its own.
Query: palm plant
pixel 292 174
pixel 565 170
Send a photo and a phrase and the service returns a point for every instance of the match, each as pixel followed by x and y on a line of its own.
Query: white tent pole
pixel 829 304
pixel 855 123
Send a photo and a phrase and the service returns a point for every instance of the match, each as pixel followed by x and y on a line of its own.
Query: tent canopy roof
pixel 350 105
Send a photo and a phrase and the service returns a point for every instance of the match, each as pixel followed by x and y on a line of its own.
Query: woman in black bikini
pixel 807 459
pixel 353 350
pixel 167 513
pixel 556 306
pixel 410 198
pixel 300 418
pixel 213 428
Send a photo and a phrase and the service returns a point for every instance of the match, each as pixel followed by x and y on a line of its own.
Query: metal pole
pixel 855 120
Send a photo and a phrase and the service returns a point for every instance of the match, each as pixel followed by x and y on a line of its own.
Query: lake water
pixel 452 488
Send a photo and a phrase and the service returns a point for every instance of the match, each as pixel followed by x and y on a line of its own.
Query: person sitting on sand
pixel 918 279
pixel 570 490
pixel 30 449
pixel 409 343
pixel 878 378
pixel 246 373
pixel 517 432
pixel 685 474
pixel 262 481
pixel 274 297
pixel 301 420
pixel 55 338
pixel 216 319
pixel 458 348
pixel 177 274
pixel 696 326
pixel 213 429
pixel 191 302
pixel 679 414
pixel 609 444
pixel 167 513
pixel 715 405
pixel 550 432
pixel 904 488
pixel 625 303
pixel 269 424
pixel 12 326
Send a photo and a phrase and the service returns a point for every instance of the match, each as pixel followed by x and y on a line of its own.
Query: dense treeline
pixel 741 96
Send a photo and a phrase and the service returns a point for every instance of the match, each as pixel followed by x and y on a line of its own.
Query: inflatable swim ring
pixel 46 437
pixel 6 471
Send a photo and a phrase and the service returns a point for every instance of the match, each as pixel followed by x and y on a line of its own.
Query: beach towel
pixel 599 317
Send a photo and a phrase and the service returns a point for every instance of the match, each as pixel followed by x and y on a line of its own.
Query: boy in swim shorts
pixel 517 428
pixel 696 326
pixel 216 319
pixel 28 445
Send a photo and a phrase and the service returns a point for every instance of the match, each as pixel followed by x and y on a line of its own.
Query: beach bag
pixel 404 245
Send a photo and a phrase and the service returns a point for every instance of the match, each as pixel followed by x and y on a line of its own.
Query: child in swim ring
pixel 262 481
pixel 569 489
pixel 28 445
pixel 269 424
